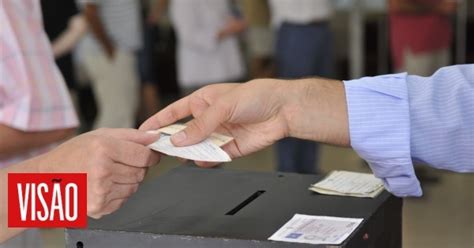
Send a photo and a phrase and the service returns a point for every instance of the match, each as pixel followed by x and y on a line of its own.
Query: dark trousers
pixel 302 51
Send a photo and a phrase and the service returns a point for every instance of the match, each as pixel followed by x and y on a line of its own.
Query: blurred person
pixel 109 59
pixel 35 110
pixel 391 120
pixel 303 48
pixel 258 37
pixel 36 113
pixel 208 48
pixel 152 13
pixel 421 34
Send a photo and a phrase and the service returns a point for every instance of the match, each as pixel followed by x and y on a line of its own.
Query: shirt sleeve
pixel 33 95
pixel 395 119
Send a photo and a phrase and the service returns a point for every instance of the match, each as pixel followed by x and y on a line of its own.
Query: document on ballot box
pixel 206 150
pixel 316 229
pixel 346 183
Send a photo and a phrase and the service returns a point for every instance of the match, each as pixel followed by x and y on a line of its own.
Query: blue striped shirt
pixel 398 119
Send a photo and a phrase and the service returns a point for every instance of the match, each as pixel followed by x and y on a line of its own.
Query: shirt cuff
pixel 379 124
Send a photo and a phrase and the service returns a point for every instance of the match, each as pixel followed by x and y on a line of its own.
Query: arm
pixel 257 117
pixel 77 27
pixel 442 118
pixel 115 161
pixel 157 8
pixel 423 6
pixel 14 141
pixel 388 125
pixel 98 30
pixel 233 26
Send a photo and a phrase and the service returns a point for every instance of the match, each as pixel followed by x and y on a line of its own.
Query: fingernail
pixel 179 137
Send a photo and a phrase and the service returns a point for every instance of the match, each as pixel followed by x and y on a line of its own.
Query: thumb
pixel 202 127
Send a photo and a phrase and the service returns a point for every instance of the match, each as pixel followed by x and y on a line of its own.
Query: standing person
pixel 303 48
pixel 420 34
pixel 36 112
pixel 109 56
pixel 208 49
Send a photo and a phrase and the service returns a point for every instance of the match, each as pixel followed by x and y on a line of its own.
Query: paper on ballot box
pixel 346 183
pixel 316 229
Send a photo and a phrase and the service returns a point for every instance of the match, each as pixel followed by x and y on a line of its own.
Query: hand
pixel 110 52
pixel 232 26
pixel 259 113
pixel 115 161
pixel 447 7
pixel 153 17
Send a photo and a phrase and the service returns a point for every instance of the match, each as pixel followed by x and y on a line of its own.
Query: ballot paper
pixel 216 138
pixel 316 229
pixel 203 151
pixel 346 183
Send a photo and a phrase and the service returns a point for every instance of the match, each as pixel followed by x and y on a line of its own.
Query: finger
pixel 132 154
pixel 206 164
pixel 171 114
pixel 129 134
pixel 201 127
pixel 128 174
pixel 120 191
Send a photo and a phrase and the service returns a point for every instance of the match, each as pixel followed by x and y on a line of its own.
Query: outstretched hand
pixel 259 113
pixel 251 113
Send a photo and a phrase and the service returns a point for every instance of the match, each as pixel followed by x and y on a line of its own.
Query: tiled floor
pixel 443 217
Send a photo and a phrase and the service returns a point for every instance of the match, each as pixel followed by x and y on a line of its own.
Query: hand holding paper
pixel 207 150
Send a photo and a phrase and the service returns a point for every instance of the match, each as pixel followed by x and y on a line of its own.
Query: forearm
pixel 315 109
pixel 158 7
pixel 69 38
pixel 14 141
pixel 96 26
pixel 29 166
pixel 422 7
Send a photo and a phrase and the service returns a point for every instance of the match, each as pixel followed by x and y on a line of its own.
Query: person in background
pixel 109 58
pixel 152 12
pixel 259 38
pixel 36 112
pixel 303 49
pixel 208 48
pixel 420 34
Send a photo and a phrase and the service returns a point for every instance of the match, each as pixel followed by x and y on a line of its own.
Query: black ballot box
pixel 195 207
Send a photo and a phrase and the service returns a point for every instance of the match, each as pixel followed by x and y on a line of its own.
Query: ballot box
pixel 195 207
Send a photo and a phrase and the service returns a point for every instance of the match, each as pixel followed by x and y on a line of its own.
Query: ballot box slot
pixel 246 202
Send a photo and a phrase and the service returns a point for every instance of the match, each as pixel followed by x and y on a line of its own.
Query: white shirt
pixel 300 11
pixel 202 59
pixel 121 20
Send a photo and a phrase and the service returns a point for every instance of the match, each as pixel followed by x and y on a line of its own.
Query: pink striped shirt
pixel 33 95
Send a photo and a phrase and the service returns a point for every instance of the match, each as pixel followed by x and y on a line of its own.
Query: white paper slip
pixel 216 138
pixel 349 184
pixel 316 229
pixel 204 151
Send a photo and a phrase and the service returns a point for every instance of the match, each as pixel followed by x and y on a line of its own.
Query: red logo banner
pixel 47 200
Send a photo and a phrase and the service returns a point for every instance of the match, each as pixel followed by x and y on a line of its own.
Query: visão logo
pixel 47 200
